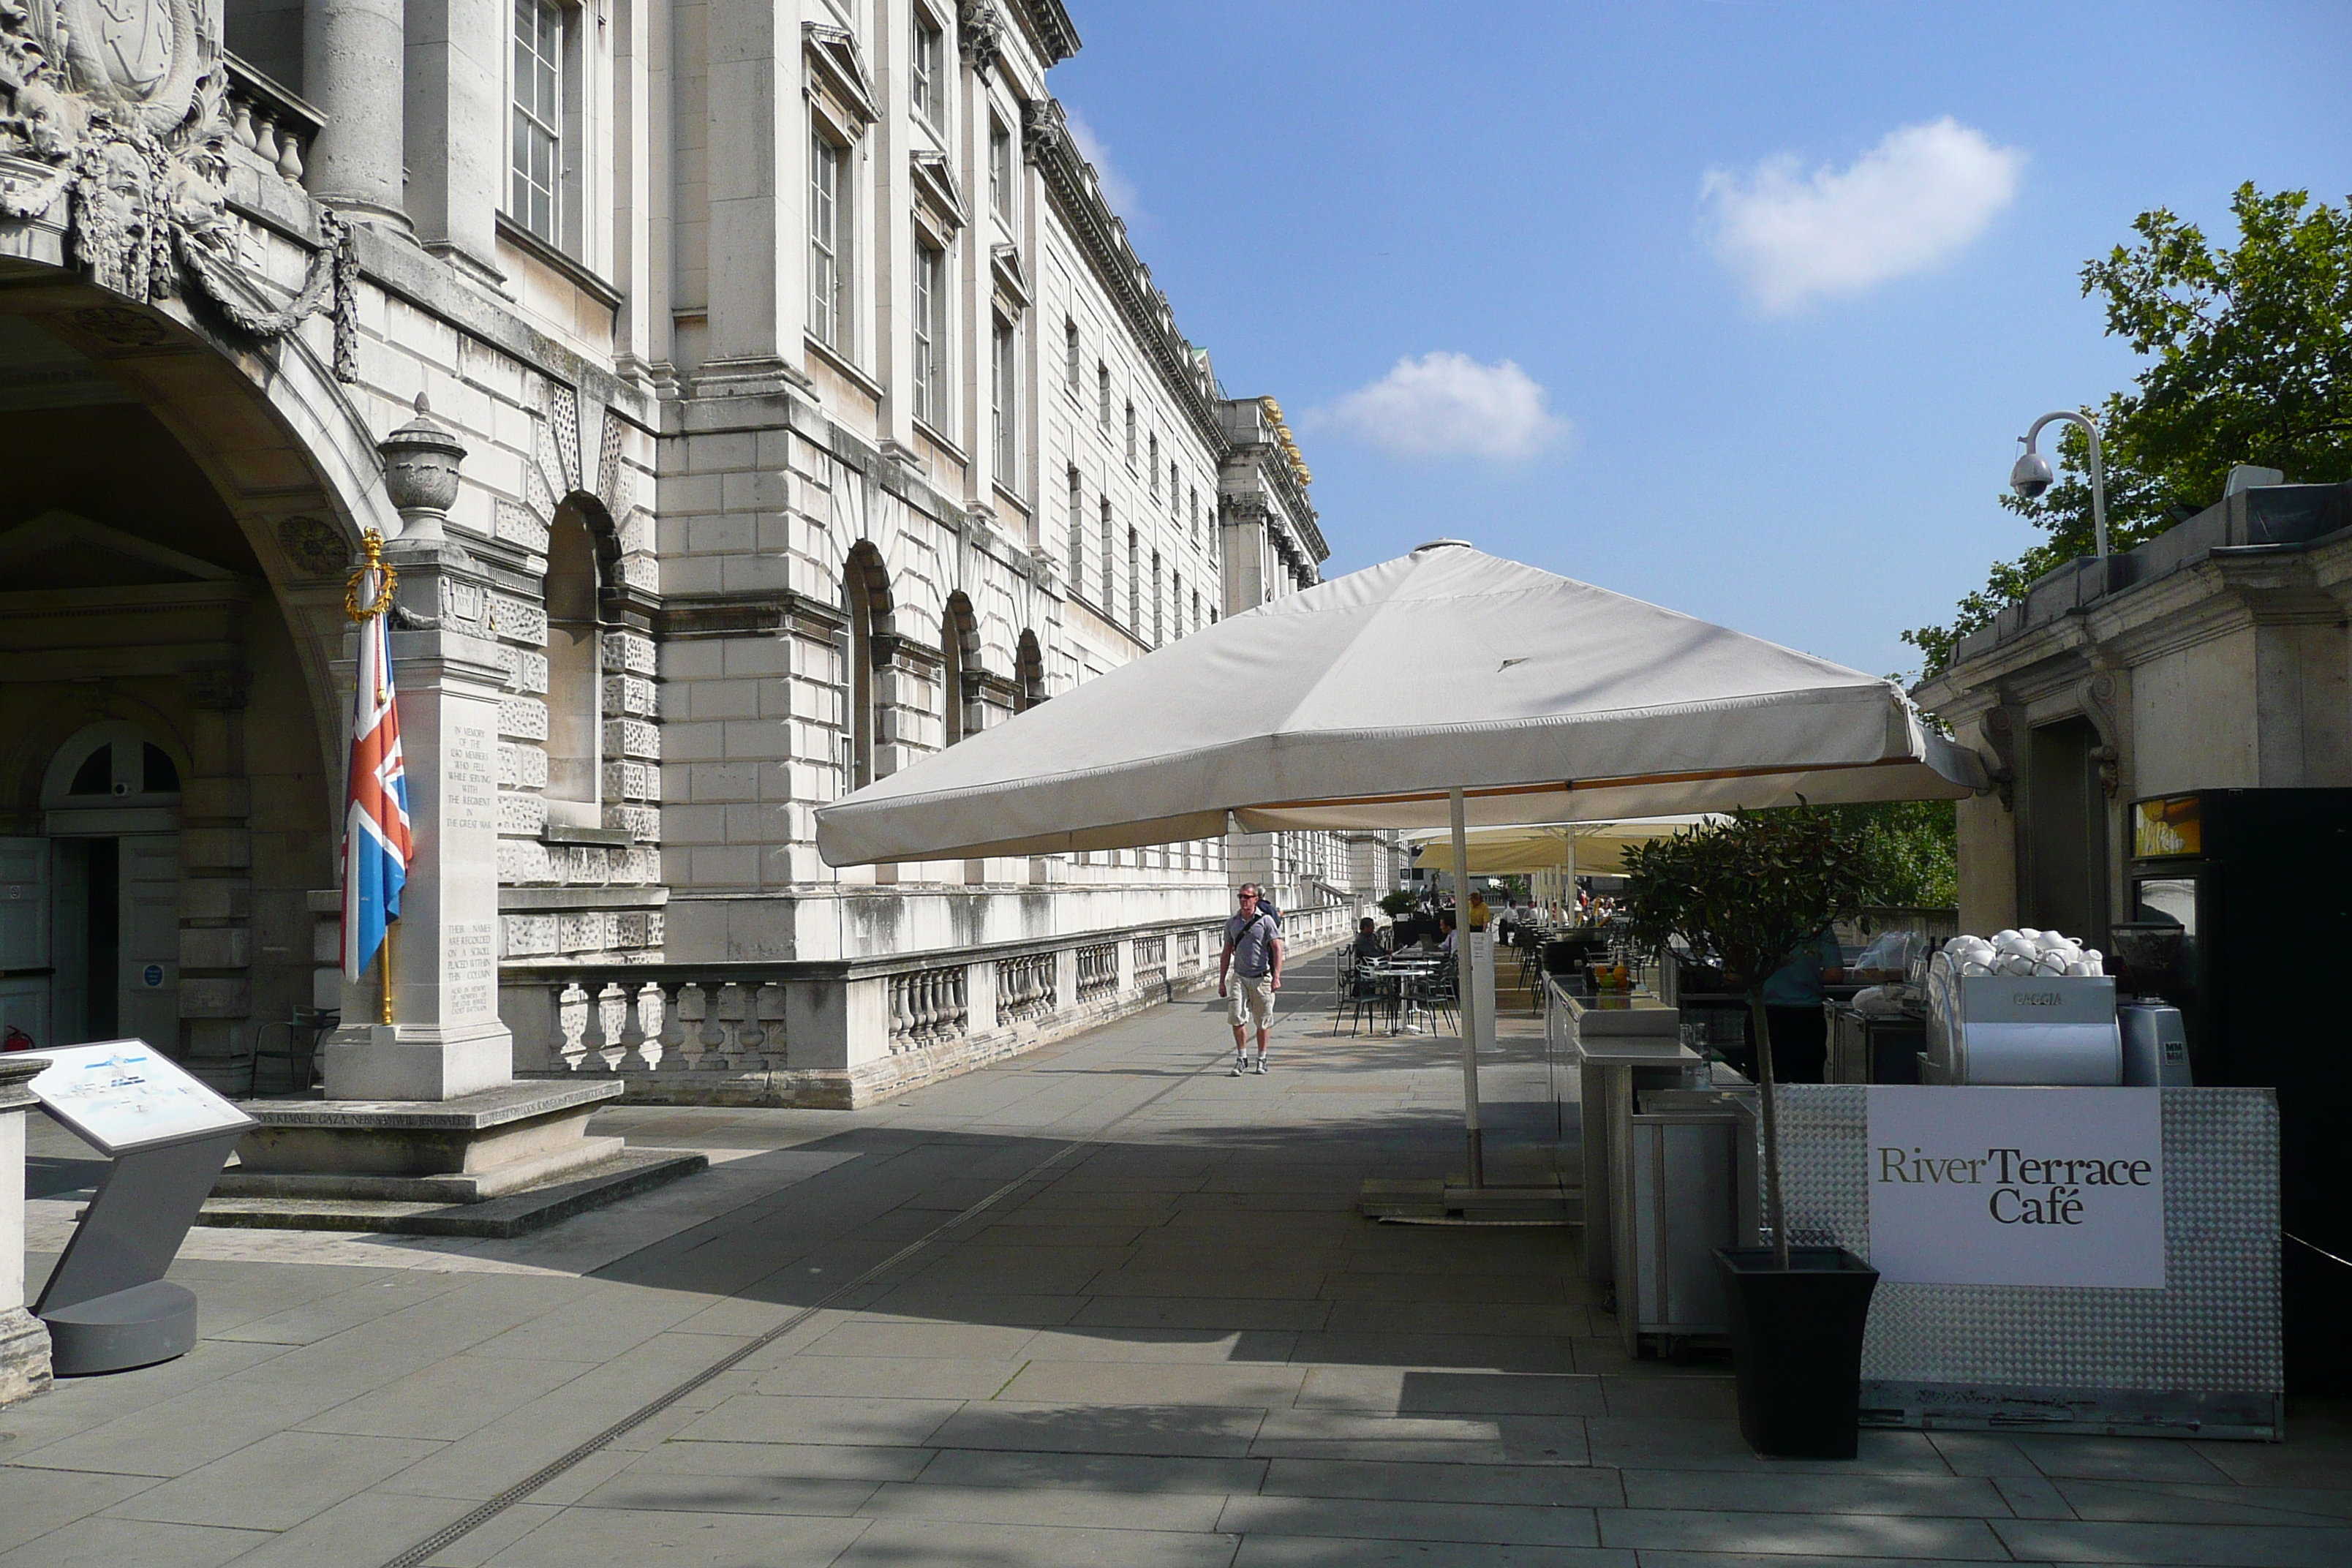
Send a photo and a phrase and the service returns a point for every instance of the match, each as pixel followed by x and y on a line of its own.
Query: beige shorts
pixel 1247 999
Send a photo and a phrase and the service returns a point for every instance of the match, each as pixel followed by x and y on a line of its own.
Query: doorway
pixel 90 934
pixel 2066 884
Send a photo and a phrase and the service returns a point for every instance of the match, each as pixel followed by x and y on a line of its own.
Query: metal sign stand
pixel 106 1304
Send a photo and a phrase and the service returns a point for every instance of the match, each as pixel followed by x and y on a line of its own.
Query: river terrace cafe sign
pixel 2017 1186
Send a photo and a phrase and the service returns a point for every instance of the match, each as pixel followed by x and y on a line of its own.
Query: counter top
pixel 1617 1013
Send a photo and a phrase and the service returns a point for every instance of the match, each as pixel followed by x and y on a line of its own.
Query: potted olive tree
pixel 1752 893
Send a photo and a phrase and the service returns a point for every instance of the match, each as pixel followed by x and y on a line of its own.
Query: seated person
pixel 1446 920
pixel 1368 939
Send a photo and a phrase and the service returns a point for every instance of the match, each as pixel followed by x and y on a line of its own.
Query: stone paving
pixel 1165 1338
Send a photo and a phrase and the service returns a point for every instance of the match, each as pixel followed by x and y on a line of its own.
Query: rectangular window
pixel 1131 437
pixel 1102 394
pixel 1158 625
pixel 1070 354
pixel 1005 397
pixel 1134 583
pixel 1155 464
pixel 1175 478
pixel 1196 518
pixel 539 117
pixel 1000 171
pixel 828 245
pixel 1176 602
pixel 930 334
pixel 1077 532
pixel 1109 605
pixel 927 73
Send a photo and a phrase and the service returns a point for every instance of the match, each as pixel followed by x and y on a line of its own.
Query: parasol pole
pixel 1463 982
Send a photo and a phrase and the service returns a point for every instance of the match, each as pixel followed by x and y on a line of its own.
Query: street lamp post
pixel 2032 475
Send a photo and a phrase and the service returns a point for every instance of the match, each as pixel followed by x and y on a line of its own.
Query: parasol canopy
pixel 1365 701
pixel 1590 848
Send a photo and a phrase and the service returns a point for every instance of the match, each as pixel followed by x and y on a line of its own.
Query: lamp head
pixel 2032 476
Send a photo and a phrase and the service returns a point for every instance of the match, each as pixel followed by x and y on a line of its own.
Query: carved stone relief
pixel 115 107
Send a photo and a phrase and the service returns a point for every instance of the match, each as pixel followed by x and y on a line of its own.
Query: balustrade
pixel 624 1022
pixel 269 122
pixel 1025 986
pixel 1098 971
pixel 928 1007
pixel 1150 961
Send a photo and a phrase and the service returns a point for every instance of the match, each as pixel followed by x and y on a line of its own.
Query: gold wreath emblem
pixel 372 546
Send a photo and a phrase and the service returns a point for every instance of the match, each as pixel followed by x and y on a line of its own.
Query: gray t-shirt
pixel 1250 936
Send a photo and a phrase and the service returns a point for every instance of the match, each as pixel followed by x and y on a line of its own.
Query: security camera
pixel 2030 476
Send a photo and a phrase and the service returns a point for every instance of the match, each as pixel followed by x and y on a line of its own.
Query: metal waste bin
pixel 1689 1187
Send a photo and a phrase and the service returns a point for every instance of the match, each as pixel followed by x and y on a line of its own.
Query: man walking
pixel 1249 973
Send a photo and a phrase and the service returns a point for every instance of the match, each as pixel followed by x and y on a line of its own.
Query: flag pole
pixel 384 1011
pixel 367 597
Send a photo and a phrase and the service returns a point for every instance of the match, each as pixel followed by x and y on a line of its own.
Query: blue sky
pixel 1782 282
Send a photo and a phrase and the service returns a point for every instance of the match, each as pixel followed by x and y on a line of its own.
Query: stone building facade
pixel 814 411
pixel 2215 655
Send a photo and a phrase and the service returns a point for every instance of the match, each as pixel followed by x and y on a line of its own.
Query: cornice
pixel 935 184
pixel 833 52
pixel 1049 28
pixel 1076 195
pixel 747 615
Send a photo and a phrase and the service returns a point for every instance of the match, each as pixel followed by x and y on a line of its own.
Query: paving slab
pixel 923 1543
pixel 1825 1536
pixel 1176 1343
pixel 2177 1542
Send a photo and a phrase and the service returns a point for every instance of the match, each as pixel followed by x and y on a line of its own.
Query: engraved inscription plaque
pixel 471 780
pixel 469 970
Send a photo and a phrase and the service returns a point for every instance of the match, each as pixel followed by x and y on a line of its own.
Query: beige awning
pixel 1592 848
pixel 1363 701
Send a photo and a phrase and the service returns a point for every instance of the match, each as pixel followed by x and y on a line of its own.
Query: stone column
pixel 456 128
pixel 23 1341
pixel 445 1039
pixel 758 277
pixel 353 52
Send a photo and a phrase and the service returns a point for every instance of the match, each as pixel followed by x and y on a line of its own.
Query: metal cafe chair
pixel 304 1029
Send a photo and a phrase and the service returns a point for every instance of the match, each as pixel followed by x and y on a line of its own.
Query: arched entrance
pixel 171 584
pixel 105 872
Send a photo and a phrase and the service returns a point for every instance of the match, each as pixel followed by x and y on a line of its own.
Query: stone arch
pixel 271 430
pixel 222 487
pixel 580 561
pixel 960 668
pixel 866 597
pixel 1028 673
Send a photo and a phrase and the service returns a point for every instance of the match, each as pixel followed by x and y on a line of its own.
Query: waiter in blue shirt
pixel 1793 1010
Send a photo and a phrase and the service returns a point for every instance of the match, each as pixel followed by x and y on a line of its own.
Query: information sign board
pixel 2017 1186
pixel 124 1094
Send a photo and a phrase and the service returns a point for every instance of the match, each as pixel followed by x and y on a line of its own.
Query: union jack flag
pixel 376 848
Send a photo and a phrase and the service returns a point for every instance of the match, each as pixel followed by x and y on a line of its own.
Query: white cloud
pixel 1923 194
pixel 1448 405
pixel 1117 188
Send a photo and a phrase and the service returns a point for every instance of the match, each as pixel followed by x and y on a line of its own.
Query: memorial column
pixel 442 1039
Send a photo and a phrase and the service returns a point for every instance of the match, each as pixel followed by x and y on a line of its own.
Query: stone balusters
pixel 928 1006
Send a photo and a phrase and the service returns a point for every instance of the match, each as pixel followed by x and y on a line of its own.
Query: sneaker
pixel 1261 1065
pixel 1237 1068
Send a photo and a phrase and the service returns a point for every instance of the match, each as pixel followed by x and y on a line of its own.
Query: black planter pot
pixel 1796 1345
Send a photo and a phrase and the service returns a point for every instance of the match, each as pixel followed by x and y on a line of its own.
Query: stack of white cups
pixel 2024 953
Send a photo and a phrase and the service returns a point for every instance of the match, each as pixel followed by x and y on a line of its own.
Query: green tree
pixel 1750 892
pixel 1910 850
pixel 2250 354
